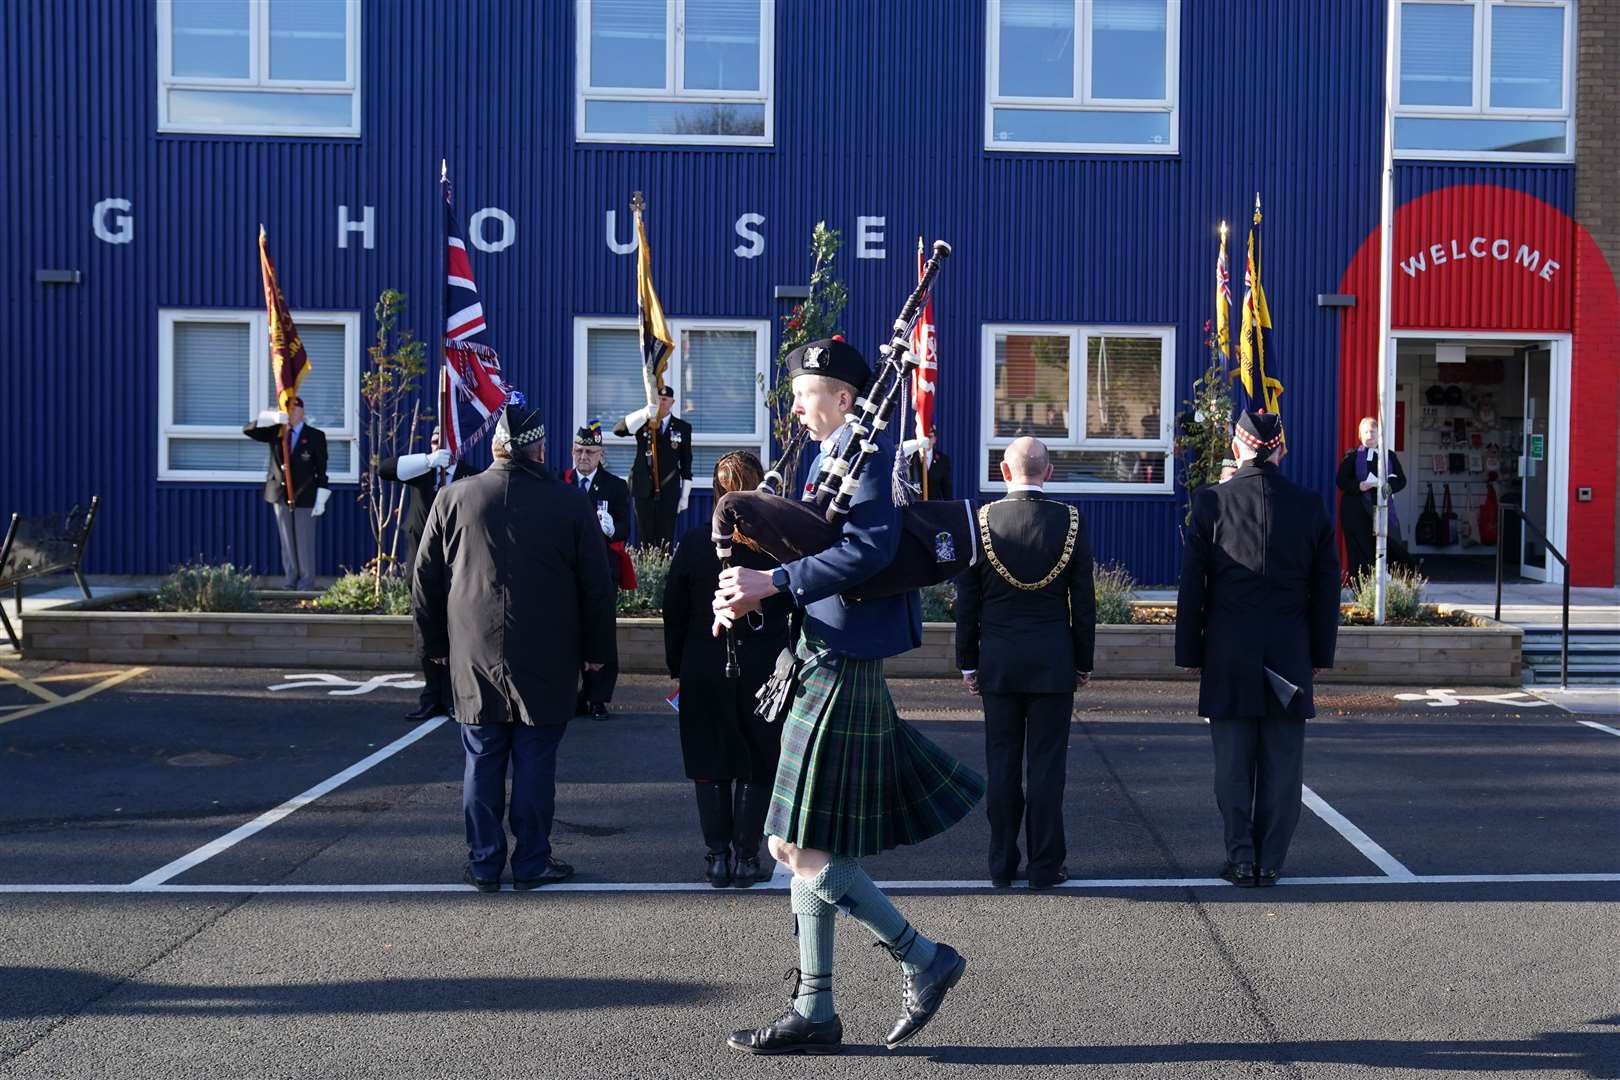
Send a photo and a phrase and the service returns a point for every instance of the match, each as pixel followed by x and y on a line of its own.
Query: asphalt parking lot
pixel 201 875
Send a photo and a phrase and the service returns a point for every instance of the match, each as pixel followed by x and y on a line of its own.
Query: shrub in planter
pixel 652 570
pixel 362 594
pixel 939 602
pixel 1115 588
pixel 204 587
pixel 1403 602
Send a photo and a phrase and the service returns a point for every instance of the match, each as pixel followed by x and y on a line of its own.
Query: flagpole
pixel 1386 374
pixel 286 428
pixel 653 423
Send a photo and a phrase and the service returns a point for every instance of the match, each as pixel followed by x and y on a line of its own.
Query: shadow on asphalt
pixel 355 997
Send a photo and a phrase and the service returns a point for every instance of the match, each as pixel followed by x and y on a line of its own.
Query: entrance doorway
pixel 1477 425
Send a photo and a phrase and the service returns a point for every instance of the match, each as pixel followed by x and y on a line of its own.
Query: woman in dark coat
pixel 1358 500
pixel 729 752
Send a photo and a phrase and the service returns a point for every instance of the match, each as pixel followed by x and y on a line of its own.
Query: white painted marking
pixel 270 817
pixel 342 687
pixel 1363 843
pixel 1600 727
pixel 1449 699
pixel 781 877
pixel 913 886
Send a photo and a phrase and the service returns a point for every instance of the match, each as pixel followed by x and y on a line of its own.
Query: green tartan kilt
pixel 853 778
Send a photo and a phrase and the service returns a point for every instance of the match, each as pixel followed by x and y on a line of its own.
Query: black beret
pixel 832 357
pixel 666 391
pixel 1260 431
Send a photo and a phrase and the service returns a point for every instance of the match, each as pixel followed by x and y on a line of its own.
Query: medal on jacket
pixel 674 438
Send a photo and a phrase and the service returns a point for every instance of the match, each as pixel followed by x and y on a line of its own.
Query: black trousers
pixel 1259 770
pixel 1026 733
pixel 435 686
pixel 596 687
pixel 655 516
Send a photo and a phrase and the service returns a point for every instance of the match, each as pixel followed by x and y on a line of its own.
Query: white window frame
pixel 759 438
pixel 1082 100
pixel 1481 107
pixel 1079 369
pixel 674 90
pixel 259 398
pixel 258 78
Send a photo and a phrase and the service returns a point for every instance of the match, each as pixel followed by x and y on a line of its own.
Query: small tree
pixel 816 317
pixel 394 362
pixel 1204 433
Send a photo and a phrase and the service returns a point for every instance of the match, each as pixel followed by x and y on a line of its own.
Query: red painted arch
pixel 1450 275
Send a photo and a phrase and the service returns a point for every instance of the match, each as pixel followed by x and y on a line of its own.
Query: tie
pixel 584 483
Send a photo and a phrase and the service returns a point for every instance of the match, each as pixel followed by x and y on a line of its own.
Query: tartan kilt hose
pixel 853 778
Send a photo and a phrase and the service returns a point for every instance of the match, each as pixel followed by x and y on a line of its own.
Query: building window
pixel 1485 80
pixel 717 368
pixel 675 71
pixel 1083 76
pixel 1099 397
pixel 214 376
pixel 259 67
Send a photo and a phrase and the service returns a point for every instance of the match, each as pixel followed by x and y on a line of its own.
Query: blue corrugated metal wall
pixel 1275 96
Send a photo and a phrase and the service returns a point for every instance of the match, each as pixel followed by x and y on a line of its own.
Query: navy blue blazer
pixel 864 629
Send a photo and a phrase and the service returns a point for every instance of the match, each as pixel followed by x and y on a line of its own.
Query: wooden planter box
pixel 1444 656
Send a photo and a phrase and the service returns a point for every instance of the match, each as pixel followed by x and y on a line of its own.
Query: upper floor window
pixel 1083 76
pixel 1099 397
pixel 716 368
pixel 675 71
pixel 259 67
pixel 214 376
pixel 1485 80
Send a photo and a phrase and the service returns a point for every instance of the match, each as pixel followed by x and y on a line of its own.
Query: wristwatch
pixel 779 578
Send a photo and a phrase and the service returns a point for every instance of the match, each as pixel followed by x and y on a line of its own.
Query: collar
pixel 296 430
pixel 1036 489
pixel 829 445
pixel 587 476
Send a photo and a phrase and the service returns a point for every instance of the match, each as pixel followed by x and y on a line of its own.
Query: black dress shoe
pixel 1265 878
pixel 598 711
pixel 556 870
pixel 791 1033
pixel 1001 882
pixel 747 872
pixel 718 869
pixel 1240 874
pixel 481 884
pixel 922 994
pixel 1039 883
pixel 426 712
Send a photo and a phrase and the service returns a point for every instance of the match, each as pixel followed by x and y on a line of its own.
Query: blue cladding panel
pixel 859 130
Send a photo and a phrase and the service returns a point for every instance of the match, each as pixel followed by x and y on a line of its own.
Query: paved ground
pixel 1459 916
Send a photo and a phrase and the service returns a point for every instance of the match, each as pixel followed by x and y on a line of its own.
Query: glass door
pixel 1535 464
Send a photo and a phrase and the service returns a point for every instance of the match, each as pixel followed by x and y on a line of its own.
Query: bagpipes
pixel 938 539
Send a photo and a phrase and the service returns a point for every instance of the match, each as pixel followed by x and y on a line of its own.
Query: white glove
pixel 911 446
pixel 410 466
pixel 440 459
pixel 270 418
pixel 686 496
pixel 633 421
pixel 604 519
pixel 321 495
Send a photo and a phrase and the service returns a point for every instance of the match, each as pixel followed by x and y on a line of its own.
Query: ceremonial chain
pixel 1063 561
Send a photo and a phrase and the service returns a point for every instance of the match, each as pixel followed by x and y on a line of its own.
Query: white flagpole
pixel 1386 368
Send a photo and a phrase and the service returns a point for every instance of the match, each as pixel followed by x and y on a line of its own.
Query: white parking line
pixel 270 817
pixel 910 886
pixel 1600 727
pixel 1363 843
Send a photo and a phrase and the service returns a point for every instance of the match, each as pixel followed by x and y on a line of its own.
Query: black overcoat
pixel 423 490
pixel 1259 588
pixel 308 464
pixel 1357 509
pixel 1023 641
pixel 717 714
pixel 512 584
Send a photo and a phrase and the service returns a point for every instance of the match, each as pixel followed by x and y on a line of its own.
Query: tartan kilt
pixel 853 778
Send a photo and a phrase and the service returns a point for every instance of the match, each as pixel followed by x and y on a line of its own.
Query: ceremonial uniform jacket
pixel 423 490
pixel 512 585
pixel 1028 641
pixel 1259 589
pixel 674 455
pixel 308 464
pixel 865 629
pixel 609 489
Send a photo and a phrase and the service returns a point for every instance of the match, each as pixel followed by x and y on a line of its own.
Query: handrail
pixel 1502 509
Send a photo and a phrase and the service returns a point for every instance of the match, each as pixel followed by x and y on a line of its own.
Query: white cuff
pixel 410 466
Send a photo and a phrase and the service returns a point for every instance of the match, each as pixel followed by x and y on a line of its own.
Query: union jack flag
pixel 925 347
pixel 472 392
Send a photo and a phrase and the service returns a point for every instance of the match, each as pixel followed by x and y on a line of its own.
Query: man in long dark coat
pixel 661 493
pixel 853 779
pixel 512 591
pixel 424 474
pixel 1026 618
pixel 1257 615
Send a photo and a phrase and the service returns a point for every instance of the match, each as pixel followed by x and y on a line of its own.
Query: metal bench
pixel 44 544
